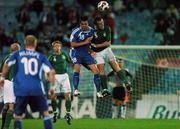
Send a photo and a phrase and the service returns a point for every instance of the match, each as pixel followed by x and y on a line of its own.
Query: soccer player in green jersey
pixel 101 45
pixel 8 93
pixel 59 60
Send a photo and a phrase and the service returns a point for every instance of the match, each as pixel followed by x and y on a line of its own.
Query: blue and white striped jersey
pixel 79 35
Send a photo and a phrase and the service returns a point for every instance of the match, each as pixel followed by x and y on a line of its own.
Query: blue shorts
pixel 36 103
pixel 81 57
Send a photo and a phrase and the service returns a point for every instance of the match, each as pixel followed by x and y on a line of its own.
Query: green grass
pixel 106 124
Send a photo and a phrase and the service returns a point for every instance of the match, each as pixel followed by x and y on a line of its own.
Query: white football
pixel 103 6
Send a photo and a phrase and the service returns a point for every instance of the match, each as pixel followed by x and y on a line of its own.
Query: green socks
pixel 9 117
pixel 103 81
pixel 122 75
pixel 4 112
pixel 68 105
pixel 54 105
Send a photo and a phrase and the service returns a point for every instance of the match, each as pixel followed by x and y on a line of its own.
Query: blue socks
pixel 97 82
pixel 17 124
pixel 47 123
pixel 76 80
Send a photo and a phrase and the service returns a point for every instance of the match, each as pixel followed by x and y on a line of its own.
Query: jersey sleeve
pixel 108 37
pixel 46 65
pixel 12 59
pixel 2 63
pixel 91 32
pixel 73 37
pixel 50 58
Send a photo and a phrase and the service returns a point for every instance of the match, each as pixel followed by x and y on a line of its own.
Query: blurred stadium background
pixel 145 34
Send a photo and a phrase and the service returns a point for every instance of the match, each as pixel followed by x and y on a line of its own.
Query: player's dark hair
pixel 119 60
pixel 84 18
pixel 98 18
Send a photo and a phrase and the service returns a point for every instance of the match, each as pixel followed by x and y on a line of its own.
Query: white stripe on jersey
pixel 73 33
pixel 46 68
pixel 42 87
pixel 41 83
pixel 11 62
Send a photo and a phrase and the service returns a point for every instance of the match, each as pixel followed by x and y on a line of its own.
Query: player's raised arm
pixel 84 42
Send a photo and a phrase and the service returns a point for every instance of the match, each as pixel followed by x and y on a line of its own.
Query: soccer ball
pixel 103 6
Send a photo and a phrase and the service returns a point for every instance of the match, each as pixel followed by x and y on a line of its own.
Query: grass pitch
pixel 105 124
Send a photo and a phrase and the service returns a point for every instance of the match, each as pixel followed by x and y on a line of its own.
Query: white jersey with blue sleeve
pixel 79 35
pixel 28 67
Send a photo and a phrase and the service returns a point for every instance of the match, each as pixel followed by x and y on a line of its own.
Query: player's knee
pixel 45 113
pixel 11 106
pixel 95 71
pixel 101 72
pixel 67 96
pixel 6 106
pixel 17 117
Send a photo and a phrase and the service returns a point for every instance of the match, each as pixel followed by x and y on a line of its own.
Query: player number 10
pixel 28 66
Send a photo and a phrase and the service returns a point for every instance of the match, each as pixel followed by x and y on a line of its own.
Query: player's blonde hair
pixel 56 42
pixel 31 40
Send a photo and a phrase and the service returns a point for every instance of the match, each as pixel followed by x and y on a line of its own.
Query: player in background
pixel 28 86
pixel 120 91
pixel 80 46
pixel 59 60
pixel 101 45
pixel 8 92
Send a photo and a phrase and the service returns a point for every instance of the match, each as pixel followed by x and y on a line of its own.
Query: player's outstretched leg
pixel 76 83
pixel 105 92
pixel 122 75
pixel 97 84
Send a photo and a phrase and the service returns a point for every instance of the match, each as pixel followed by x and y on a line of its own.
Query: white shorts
pixel 8 92
pixel 63 83
pixel 105 55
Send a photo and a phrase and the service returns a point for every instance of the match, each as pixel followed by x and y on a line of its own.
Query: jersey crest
pixel 104 34
pixel 81 36
pixel 54 58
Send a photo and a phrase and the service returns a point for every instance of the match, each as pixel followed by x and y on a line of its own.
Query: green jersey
pixel 101 36
pixel 10 74
pixel 59 62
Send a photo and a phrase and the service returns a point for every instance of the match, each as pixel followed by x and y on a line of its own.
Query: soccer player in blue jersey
pixel 28 87
pixel 80 45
